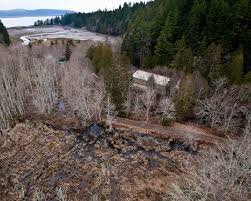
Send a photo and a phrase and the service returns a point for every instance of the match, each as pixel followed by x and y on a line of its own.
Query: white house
pixel 140 79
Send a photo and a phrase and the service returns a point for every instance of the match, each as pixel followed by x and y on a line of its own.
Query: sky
pixel 75 5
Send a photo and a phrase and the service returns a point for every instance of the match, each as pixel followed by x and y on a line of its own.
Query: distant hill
pixel 32 13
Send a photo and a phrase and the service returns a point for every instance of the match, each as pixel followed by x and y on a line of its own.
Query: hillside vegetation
pixel 212 36
pixel 51 150
pixel 76 124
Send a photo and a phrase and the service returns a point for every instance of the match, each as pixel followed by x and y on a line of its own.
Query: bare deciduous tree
pixel 167 109
pixel 247 114
pixel 110 113
pixel 212 109
pixel 38 195
pixel 83 93
pixel 128 101
pixel 200 85
pixel 61 194
pixel 148 99
pixel 44 79
pixel 137 106
pixel 99 96
pixel 13 88
pixel 221 109
pixel 221 174
pixel 34 78
pixel 229 123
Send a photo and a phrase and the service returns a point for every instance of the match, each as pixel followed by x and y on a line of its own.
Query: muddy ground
pixel 89 164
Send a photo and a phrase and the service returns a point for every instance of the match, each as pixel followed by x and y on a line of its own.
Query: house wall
pixel 160 88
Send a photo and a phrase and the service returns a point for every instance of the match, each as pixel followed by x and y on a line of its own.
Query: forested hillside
pixel 212 36
pixel 106 22
pixel 179 30
pixel 4 36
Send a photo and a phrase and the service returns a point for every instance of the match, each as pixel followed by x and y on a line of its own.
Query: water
pixel 22 21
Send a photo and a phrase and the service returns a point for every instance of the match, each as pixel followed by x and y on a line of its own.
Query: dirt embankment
pixel 182 132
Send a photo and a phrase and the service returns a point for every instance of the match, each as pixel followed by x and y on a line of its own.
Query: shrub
pixel 247 78
pixel 167 110
pixel 166 121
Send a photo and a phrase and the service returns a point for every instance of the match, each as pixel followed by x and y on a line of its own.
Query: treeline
pixel 212 36
pixel 106 22
pixel 4 36
pixel 53 21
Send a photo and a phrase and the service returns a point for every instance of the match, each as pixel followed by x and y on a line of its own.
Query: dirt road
pixel 177 131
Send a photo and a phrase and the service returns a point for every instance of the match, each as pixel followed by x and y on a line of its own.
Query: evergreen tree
pixel 247 50
pixel 4 35
pixel 117 81
pixel 218 21
pixel 236 68
pixel 184 100
pixel 184 60
pixel 213 61
pixel 197 21
pixel 165 45
pixel 240 19
pixel 203 46
pixel 67 51
pixel 114 68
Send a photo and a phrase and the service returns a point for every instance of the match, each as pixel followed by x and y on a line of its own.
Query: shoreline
pixel 29 26
pixel 13 22
pixel 20 27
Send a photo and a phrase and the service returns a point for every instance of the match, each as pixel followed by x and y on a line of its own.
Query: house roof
pixel 159 79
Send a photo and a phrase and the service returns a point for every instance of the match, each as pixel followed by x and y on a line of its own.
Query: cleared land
pixel 56 32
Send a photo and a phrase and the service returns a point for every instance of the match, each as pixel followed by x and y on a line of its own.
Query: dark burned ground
pixel 91 164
